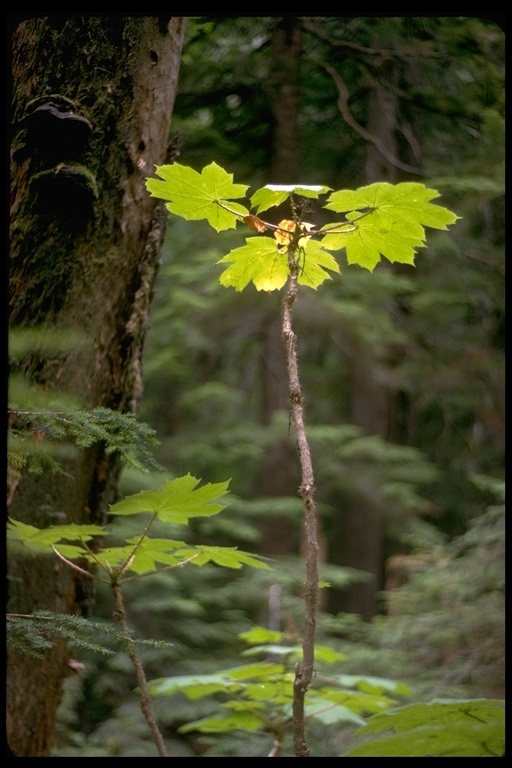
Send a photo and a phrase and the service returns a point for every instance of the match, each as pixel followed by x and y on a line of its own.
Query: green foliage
pixel 200 196
pixel 462 630
pixel 175 503
pixel 273 195
pixel 440 728
pixel 396 475
pixel 35 633
pixel 443 629
pixel 46 429
pixel 390 220
pixel 263 264
pixel 445 329
pixel 436 346
pixel 39 436
pixel 380 219
pixel 43 539
pixel 258 696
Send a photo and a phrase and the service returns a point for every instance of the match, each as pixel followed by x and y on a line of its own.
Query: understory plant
pixel 92 551
pixel 285 687
pixel 377 220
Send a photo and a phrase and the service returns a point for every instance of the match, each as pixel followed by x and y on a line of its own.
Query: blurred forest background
pixel 402 369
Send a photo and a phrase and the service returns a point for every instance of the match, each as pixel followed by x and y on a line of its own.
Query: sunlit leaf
pixel 380 220
pixel 363 703
pixel 149 554
pixel 193 686
pixel 275 194
pixel 261 262
pixel 255 671
pixel 197 686
pixel 258 635
pixel 207 195
pixel 314 265
pixel 322 653
pixel 282 651
pixel 258 261
pixel 366 244
pixel 389 220
pixel 144 556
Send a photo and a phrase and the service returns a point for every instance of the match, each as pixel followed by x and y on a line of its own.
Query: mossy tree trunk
pixel 92 105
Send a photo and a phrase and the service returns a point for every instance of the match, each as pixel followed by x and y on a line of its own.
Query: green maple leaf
pixel 315 261
pixel 42 539
pixel 207 195
pixel 261 262
pixel 437 712
pixel 469 740
pixel 227 557
pixel 384 219
pixel 274 194
pixel 258 261
pixel 146 555
pixel 441 728
pixel 142 555
pixel 176 502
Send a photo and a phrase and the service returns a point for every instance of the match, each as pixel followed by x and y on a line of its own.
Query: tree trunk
pixel 363 524
pixel 286 48
pixel 280 472
pixel 92 104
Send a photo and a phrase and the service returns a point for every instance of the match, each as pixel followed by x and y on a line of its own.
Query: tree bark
pixel 283 82
pixel 92 104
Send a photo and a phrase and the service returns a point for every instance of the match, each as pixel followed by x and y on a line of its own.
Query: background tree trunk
pixel 370 402
pixel 92 103
pixel 280 472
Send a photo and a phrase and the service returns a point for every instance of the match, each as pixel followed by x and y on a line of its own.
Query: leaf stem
pixel 77 567
pixel 310 232
pixel 131 556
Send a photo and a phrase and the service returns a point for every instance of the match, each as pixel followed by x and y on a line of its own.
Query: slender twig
pixel 348 226
pixel 27 616
pixel 304 669
pixel 145 700
pixel 311 26
pixel 120 617
pixel 348 117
